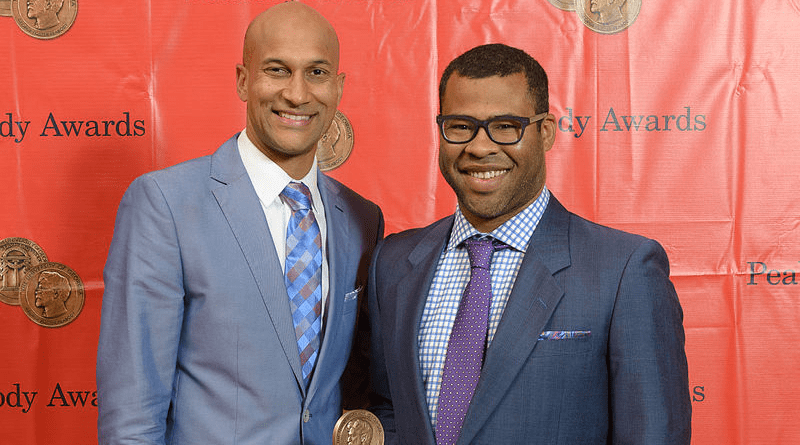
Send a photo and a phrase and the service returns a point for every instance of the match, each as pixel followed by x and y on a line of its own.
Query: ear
pixel 340 85
pixel 241 82
pixel 548 131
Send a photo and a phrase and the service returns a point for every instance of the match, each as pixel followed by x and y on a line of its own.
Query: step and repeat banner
pixel 677 120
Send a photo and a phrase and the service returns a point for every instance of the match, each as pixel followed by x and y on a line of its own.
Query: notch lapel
pixel 239 203
pixel 412 293
pixel 533 299
pixel 339 250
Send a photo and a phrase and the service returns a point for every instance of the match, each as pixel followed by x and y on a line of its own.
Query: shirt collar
pixel 516 232
pixel 269 179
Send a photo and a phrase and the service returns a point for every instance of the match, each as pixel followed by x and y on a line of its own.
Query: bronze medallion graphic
pixel 51 295
pixel 5 8
pixel 336 144
pixel 566 5
pixel 44 19
pixel 608 16
pixel 358 427
pixel 17 257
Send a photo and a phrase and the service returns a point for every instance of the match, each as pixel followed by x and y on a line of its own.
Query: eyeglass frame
pixel 524 121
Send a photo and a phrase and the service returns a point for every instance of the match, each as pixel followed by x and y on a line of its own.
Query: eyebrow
pixel 494 116
pixel 281 61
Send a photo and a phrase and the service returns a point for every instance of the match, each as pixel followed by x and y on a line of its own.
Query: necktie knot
pixel 480 251
pixel 298 196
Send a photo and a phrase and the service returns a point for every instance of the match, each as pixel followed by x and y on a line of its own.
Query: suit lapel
pixel 239 203
pixel 339 250
pixel 533 299
pixel 412 293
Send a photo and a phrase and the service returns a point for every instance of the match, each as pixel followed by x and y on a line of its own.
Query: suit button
pixel 306 416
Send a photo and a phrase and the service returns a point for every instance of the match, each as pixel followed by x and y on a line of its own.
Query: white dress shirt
pixel 269 181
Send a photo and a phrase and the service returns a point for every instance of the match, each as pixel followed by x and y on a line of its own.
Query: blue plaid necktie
pixel 464 359
pixel 303 274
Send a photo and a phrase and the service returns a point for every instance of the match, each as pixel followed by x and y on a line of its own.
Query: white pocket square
pixel 353 294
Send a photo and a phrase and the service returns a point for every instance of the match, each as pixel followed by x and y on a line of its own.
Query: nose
pixel 296 91
pixel 481 145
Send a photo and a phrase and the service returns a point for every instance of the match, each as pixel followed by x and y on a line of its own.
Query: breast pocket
pixel 351 300
pixel 566 342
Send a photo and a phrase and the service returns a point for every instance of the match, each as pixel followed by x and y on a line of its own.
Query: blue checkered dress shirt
pixel 450 279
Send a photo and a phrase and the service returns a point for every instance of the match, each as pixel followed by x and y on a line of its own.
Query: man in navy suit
pixel 580 337
pixel 199 341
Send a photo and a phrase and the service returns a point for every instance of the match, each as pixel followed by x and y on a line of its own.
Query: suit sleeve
pixel 649 389
pixel 141 320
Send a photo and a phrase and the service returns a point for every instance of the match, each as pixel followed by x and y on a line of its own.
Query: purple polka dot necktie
pixel 303 274
pixel 462 365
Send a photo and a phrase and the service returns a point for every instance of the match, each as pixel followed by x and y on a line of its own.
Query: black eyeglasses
pixel 503 130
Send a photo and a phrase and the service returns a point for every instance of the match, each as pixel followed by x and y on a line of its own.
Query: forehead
pixel 486 97
pixel 294 41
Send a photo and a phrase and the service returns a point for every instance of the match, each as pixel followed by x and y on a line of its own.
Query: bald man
pixel 208 336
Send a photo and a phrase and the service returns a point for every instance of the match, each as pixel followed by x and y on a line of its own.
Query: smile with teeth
pixel 487 175
pixel 294 117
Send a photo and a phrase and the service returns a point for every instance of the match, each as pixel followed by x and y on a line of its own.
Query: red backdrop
pixel 681 127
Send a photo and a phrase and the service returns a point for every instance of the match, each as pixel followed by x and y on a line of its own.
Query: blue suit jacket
pixel 625 382
pixel 196 341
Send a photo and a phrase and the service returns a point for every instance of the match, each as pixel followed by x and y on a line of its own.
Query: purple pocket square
pixel 563 335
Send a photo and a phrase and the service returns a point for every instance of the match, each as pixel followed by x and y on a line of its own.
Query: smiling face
pixel 291 84
pixel 494 182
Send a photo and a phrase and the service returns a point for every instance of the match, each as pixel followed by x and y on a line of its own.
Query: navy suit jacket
pixel 624 383
pixel 196 339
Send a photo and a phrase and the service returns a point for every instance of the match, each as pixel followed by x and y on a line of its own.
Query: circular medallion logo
pixel 44 19
pixel 17 257
pixel 51 295
pixel 336 144
pixel 566 5
pixel 608 16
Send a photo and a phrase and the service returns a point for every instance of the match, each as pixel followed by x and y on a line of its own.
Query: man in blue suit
pixel 204 339
pixel 567 332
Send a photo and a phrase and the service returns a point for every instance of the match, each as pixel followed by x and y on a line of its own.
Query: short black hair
pixel 497 59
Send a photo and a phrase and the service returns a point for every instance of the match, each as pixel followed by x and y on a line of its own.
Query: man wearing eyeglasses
pixel 513 320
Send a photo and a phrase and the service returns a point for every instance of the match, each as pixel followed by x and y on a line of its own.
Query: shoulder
pixel 440 228
pixel 178 182
pixel 401 244
pixel 598 241
pixel 190 175
pixel 600 235
pixel 186 170
pixel 346 195
pixel 609 245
